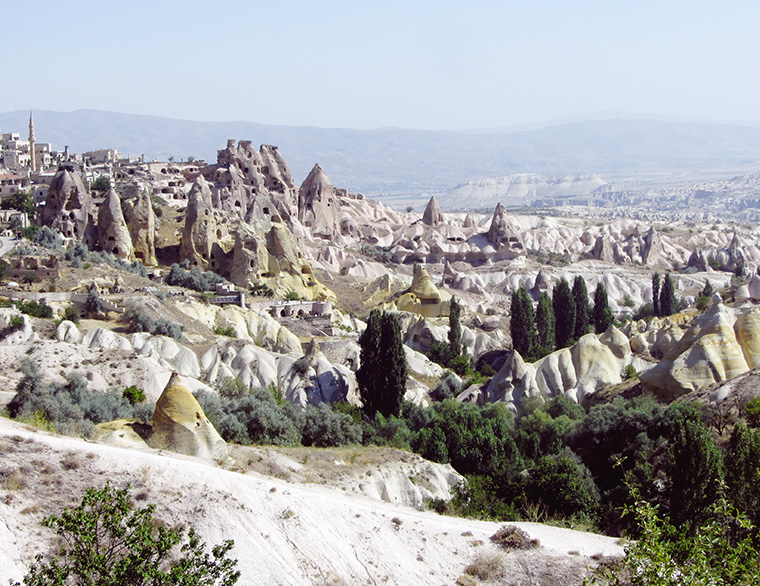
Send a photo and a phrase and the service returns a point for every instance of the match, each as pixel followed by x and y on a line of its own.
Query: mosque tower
pixel 32 153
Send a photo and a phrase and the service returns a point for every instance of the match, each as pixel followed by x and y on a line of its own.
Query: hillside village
pixel 207 284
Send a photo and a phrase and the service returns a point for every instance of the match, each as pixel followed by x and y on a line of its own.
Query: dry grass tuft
pixel 486 566
pixel 512 537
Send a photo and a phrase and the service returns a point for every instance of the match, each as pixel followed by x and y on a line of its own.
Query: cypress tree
pixel 603 317
pixel 521 324
pixel 668 300
pixel 368 375
pixel 582 309
pixel 545 324
pixel 393 362
pixel 455 329
pixel 564 313
pixel 656 293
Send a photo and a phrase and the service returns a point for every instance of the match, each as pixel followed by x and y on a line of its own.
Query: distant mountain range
pixel 388 163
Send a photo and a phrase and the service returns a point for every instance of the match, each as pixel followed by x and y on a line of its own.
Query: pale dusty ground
pixel 285 534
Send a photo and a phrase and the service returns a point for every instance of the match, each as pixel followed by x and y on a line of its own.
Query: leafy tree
pixel 704 298
pixel 656 293
pixel 93 303
pixel 106 541
pixel 564 485
pixel 694 466
pixel 743 471
pixel 21 201
pixel 668 301
pixel 383 371
pixel 102 184
pixel 47 238
pixel 521 324
pixel 582 308
pixel 603 317
pixel 455 329
pixel 564 313
pixel 545 324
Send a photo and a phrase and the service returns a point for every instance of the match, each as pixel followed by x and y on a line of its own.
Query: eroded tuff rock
pixel 720 344
pixel 180 425
pixel 69 208
pixel 590 364
pixel 432 216
pixel 423 297
pixel 206 239
pixel 318 207
pixel 141 221
pixel 113 234
pixel 503 234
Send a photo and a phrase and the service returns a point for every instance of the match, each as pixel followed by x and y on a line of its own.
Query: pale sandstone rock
pixel 318 208
pixel 67 331
pixel 432 216
pixel 180 425
pixel 141 221
pixel 113 234
pixel 69 208
pixel 122 433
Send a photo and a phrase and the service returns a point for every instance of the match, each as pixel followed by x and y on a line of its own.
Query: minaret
pixel 33 155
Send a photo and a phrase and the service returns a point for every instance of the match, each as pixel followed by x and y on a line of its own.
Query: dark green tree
pixel 102 184
pixel 603 317
pixel 455 329
pixel 582 308
pixel 564 313
pixel 545 325
pixel 521 323
pixel 743 471
pixel 668 301
pixel 656 293
pixel 383 371
pixel 21 201
pixel 694 466
pixel 106 541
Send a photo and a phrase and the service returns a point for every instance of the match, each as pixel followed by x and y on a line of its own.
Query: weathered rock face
pixel 113 234
pixel 141 221
pixel 68 208
pixel 251 184
pixel 433 216
pixel 206 239
pixel 318 207
pixel 180 425
pixel 250 258
pixel 503 234
pixel 424 297
pixel 719 345
pixel 312 379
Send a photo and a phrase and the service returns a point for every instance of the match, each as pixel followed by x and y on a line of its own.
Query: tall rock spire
pixel 32 154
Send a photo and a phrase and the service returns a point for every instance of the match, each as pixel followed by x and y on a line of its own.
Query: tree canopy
pixel 564 313
pixel 603 317
pixel 521 323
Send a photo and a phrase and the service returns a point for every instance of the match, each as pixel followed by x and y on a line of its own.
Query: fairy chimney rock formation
pixel 180 425
pixel 503 234
pixel 68 207
pixel 141 221
pixel 318 207
pixel 113 234
pixel 433 216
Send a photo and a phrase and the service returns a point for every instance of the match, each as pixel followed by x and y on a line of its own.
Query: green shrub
pixel 194 279
pixel 323 427
pixel 229 331
pixel 93 303
pixel 15 323
pixel 105 540
pixel 38 309
pixel 139 320
pixel 752 411
pixel 629 373
pixel 71 314
pixel 133 395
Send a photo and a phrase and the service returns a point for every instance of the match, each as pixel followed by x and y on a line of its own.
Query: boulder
pixel 67 331
pixel 179 424
pixel 514 382
pixel 123 433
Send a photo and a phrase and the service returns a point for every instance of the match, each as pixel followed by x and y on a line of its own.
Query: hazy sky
pixel 366 63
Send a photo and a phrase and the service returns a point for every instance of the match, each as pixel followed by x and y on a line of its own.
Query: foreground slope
pixel 284 533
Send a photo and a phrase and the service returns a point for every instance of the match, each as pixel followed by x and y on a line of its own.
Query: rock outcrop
pixel 318 207
pixel 180 425
pixel 423 297
pixel 113 234
pixel 141 220
pixel 719 345
pixel 503 233
pixel 433 216
pixel 206 240
pixel 69 208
